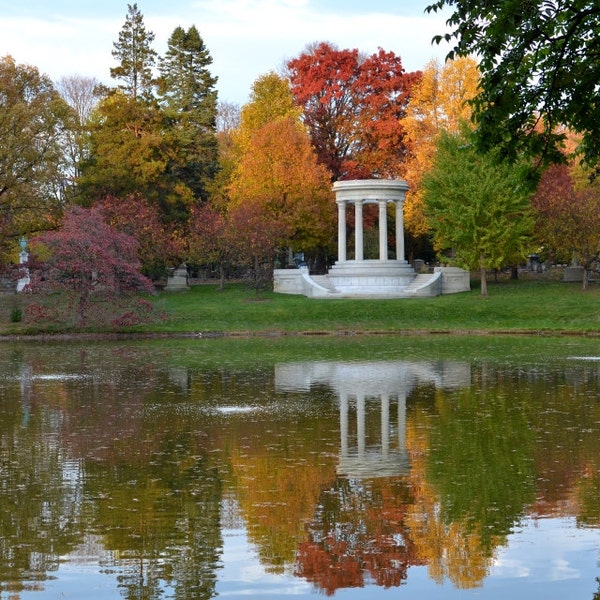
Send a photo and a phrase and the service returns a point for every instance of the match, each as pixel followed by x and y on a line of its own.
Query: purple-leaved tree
pixel 92 265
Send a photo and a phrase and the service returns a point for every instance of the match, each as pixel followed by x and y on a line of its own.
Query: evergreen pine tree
pixel 136 57
pixel 188 96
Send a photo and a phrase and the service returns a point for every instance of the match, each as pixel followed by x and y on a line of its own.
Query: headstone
pixel 178 280
pixel 573 274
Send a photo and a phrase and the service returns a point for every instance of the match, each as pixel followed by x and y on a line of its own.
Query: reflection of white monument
pixel 384 277
pixel 367 388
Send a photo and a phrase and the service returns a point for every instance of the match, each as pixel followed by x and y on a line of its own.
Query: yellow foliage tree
pixel 270 100
pixel 440 101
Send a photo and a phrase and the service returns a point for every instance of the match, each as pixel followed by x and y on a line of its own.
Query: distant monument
pixel 178 280
pixel 383 277
pixel 23 260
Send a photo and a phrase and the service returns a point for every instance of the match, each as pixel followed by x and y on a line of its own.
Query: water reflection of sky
pixel 541 551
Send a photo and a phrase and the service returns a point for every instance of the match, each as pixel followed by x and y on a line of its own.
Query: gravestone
pixel 178 280
pixel 573 274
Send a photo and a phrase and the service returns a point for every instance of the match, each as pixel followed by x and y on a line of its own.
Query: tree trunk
pixel 257 276
pixel 586 278
pixel 483 276
pixel 221 276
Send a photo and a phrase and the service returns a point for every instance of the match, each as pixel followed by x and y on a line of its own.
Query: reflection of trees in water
pixel 40 506
pixel 452 548
pixel 518 442
pixel 280 463
pixel 358 535
pixel 142 487
pixel 162 520
pixel 138 460
pixel 156 491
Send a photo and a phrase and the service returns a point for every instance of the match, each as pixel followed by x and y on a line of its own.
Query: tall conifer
pixel 135 55
pixel 187 93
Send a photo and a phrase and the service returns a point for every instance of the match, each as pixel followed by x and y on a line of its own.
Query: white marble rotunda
pixel 358 277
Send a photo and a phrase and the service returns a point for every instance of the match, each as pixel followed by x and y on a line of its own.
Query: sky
pixel 246 38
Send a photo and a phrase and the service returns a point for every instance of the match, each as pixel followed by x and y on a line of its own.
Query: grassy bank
pixel 535 306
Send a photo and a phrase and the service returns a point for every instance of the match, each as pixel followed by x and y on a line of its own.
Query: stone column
pixel 402 421
pixel 359 254
pixel 341 230
pixel 383 248
pixel 400 230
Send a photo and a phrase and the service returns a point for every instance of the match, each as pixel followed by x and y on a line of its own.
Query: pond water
pixel 352 468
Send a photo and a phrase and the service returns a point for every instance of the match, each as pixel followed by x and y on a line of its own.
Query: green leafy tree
pixel 136 57
pixel 33 121
pixel 131 150
pixel 540 71
pixel 479 208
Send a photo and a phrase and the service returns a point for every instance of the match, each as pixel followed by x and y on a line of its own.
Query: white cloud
pixel 246 38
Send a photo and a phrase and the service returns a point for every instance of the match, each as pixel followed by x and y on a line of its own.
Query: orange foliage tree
pixel 368 536
pixel 439 101
pixel 270 99
pixel 353 106
pixel 279 173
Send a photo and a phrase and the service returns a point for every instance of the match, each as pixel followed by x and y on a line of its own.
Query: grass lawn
pixel 523 306
pixel 535 306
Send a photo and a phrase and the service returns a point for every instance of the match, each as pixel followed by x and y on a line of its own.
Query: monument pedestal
pixel 370 277
pixel 178 280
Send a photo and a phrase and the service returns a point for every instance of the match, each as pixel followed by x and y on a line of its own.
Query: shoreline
pixel 128 336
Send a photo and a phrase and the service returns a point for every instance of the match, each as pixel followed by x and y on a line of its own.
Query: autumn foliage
pixel 440 101
pixel 88 262
pixel 280 175
pixel 159 246
pixel 352 106
pixel 567 208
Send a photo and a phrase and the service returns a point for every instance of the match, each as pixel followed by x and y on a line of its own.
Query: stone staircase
pixel 421 280
pixel 372 281
pixel 324 281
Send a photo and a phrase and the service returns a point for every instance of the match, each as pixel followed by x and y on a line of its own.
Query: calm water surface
pixel 350 468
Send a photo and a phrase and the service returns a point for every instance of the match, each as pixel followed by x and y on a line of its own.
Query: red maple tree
pixel 568 217
pixel 352 106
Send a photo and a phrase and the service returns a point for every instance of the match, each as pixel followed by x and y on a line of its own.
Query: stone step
pixel 418 281
pixel 324 281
